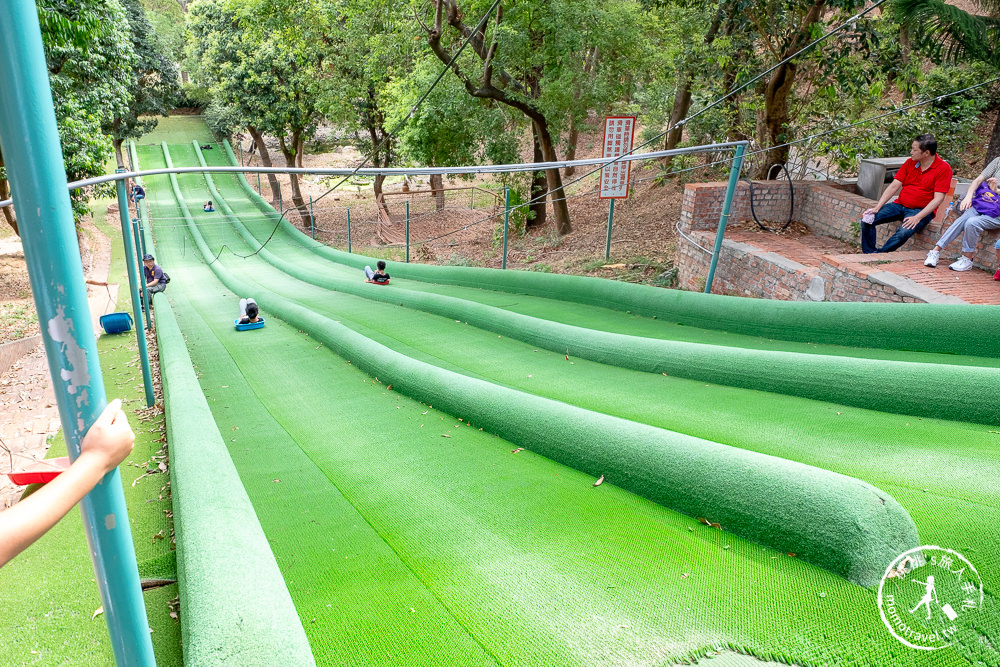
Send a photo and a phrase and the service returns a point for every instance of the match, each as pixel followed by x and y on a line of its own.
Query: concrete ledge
pixel 13 351
pixel 906 287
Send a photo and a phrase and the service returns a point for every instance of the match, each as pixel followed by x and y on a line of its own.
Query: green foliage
pixel 90 76
pixel 152 82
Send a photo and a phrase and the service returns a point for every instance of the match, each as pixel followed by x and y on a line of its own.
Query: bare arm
pixel 888 194
pixel 967 200
pixel 912 221
pixel 106 444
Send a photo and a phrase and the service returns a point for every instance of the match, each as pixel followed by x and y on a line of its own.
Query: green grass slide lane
pixel 214 518
pixel 890 386
pixel 862 528
pixel 925 327
pixel 518 499
pixel 48 593
pixel 945 450
pixel 951 466
pixel 974 526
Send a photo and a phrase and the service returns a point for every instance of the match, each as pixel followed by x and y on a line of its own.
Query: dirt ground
pixel 468 231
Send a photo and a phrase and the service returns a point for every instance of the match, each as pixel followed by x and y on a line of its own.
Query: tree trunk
pixel 991 153
pixel 119 156
pixel 775 121
pixel 574 134
pixel 554 180
pixel 778 91
pixel 265 159
pixel 290 161
pixel 682 102
pixel 8 211
pixel 537 185
pixel 682 96
pixel 437 190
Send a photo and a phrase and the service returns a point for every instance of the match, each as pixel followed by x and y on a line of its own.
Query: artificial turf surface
pixel 458 552
pixel 48 593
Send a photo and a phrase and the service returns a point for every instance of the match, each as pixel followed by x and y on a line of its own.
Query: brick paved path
pixel 974 286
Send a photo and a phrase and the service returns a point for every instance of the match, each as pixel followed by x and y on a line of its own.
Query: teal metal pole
pixel 139 253
pixel 241 152
pixel 734 177
pixel 611 217
pixel 312 217
pixel 506 222
pixel 348 229
pixel 34 162
pixel 258 183
pixel 407 232
pixel 133 283
pixel 281 206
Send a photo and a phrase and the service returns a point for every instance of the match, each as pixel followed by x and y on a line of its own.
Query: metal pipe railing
pixel 34 162
pixel 403 171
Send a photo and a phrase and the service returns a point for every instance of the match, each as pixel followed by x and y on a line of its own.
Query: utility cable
pixel 385 141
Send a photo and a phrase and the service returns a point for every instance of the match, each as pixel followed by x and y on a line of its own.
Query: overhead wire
pixel 385 141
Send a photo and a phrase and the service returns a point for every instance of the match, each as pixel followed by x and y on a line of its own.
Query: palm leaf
pixel 943 27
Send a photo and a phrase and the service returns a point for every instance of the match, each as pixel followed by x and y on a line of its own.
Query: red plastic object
pixel 40 472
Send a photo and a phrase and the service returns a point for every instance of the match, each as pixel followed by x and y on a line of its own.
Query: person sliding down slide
pixel 379 277
pixel 249 312
pixel 208 207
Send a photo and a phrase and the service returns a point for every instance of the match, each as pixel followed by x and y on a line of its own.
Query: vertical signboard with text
pixel 618 131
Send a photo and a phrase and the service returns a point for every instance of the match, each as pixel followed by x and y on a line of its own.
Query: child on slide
pixel 106 444
pixel 249 312
pixel 379 276
pixel 208 206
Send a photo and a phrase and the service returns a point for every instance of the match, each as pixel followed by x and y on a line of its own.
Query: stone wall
pixel 744 270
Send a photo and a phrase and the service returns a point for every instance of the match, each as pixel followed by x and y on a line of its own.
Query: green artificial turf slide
pixel 920 327
pixel 860 530
pixel 458 551
pixel 48 593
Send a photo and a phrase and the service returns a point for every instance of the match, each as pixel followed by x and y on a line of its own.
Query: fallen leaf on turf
pixel 705 521
pixel 515 451
pixel 158 536
pixel 717 526
pixel 97 612
pixel 275 480
pixel 685 575
pixel 822 594
pixel 600 480
pixel 173 614
pixel 726 547
pixel 791 554
pixel 425 412
pixel 388 388
pixel 445 435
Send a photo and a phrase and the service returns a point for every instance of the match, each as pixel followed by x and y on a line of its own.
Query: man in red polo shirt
pixel 922 183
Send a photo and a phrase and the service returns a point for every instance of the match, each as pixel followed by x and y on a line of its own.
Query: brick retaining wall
pixel 828 210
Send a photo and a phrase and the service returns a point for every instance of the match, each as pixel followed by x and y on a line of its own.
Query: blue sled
pixel 259 324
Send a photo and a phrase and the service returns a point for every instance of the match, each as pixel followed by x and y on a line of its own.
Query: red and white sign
pixel 618 131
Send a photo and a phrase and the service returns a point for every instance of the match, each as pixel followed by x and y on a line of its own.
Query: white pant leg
pixel 975 227
pixel 243 308
pixel 957 228
pixel 369 274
